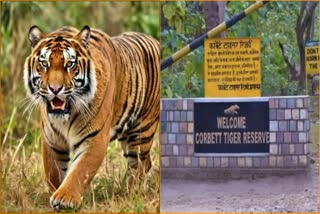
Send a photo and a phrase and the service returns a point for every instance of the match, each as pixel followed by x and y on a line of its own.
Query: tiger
pixel 90 89
pixel 232 110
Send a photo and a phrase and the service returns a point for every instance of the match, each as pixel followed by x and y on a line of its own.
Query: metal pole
pixel 210 34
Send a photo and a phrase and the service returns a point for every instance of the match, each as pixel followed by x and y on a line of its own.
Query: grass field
pixel 24 188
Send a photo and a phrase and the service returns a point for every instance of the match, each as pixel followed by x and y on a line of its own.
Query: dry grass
pixel 24 188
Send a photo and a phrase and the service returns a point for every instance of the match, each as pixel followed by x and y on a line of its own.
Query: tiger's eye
pixel 69 64
pixel 44 63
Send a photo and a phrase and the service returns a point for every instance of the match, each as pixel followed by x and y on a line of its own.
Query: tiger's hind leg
pixel 139 161
pixel 137 150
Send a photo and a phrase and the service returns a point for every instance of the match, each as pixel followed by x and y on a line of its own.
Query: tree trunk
pixel 214 14
pixel 304 30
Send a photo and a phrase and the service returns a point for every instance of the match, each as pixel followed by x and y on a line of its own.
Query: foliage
pixel 273 23
pixel 23 183
pixel 183 22
pixel 142 18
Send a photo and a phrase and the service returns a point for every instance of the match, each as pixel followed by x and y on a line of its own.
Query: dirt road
pixel 296 193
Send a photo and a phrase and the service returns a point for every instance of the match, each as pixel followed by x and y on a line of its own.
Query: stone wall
pixel 289 137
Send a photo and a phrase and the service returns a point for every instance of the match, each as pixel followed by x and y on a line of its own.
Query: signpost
pixel 231 127
pixel 232 67
pixel 312 62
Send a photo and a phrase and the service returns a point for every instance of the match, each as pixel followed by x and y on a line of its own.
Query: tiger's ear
pixel 35 35
pixel 84 35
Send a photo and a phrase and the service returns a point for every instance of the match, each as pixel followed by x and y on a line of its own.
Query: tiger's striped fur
pixel 91 88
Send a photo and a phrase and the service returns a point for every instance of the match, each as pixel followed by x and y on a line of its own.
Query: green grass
pixel 314 137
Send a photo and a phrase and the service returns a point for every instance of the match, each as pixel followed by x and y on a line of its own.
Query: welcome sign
pixel 231 127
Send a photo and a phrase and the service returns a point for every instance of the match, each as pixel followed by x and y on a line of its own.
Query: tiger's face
pixel 59 73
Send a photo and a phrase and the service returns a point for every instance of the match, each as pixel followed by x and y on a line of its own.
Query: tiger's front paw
pixel 65 199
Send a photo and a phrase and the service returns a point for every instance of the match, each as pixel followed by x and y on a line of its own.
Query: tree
pixel 182 22
pixel 304 31
pixel 214 14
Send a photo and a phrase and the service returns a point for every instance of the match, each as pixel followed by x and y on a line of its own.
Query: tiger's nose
pixel 55 88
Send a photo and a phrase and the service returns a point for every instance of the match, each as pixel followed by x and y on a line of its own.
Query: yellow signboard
pixel 312 62
pixel 232 67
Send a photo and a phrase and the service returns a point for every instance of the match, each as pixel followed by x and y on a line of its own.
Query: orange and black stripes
pixel 140 111
pixel 92 88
